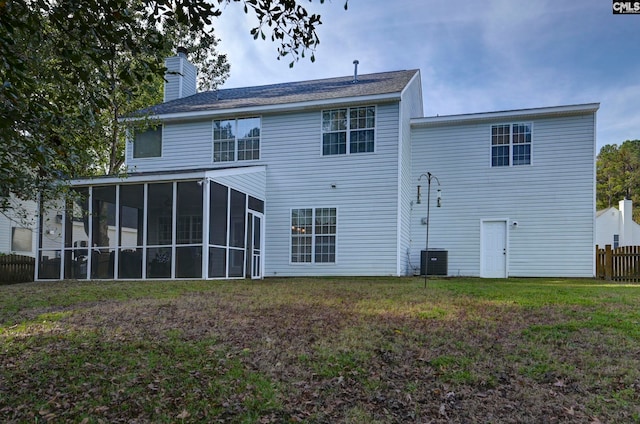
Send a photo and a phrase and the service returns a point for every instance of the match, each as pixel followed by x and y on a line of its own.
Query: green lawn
pixel 354 350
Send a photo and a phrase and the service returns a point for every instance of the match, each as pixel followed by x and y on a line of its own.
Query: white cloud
pixel 473 56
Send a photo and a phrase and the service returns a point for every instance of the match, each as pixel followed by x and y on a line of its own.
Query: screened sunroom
pixel 193 225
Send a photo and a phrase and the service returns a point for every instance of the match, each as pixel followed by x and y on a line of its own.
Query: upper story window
pixel 148 143
pixel 236 139
pixel 348 130
pixel 511 144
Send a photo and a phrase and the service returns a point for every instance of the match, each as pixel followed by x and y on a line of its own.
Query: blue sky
pixel 474 55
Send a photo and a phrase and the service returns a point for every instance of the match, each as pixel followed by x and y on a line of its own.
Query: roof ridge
pixel 315 80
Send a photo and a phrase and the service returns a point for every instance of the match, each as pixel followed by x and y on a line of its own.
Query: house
pixel 616 226
pixel 320 178
pixel 18 228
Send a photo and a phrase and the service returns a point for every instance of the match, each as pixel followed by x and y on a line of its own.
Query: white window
pixel 348 130
pixel 21 239
pixel 313 235
pixel 236 139
pixel 148 143
pixel 511 144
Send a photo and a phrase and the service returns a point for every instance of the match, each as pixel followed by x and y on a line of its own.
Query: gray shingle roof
pixel 292 92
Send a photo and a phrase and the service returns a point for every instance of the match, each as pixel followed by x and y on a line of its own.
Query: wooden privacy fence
pixel 620 264
pixel 16 268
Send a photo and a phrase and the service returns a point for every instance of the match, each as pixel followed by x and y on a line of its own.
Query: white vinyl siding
pixel 181 78
pixel 363 189
pixel 411 107
pixel 185 146
pixel 552 200
pixel 251 183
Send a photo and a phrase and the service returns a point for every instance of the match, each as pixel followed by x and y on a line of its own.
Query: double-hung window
pixel 348 130
pixel 236 139
pixel 313 235
pixel 511 144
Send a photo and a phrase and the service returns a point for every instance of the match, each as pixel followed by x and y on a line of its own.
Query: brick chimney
pixel 181 76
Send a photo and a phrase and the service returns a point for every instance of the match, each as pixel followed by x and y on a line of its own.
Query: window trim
pixel 511 144
pixel 133 144
pixel 235 140
pixel 314 235
pixel 348 131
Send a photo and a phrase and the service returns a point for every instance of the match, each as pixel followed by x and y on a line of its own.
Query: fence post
pixel 608 262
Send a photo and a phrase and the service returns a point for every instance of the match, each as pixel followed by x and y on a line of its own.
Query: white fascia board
pixel 509 114
pixel 173 176
pixel 255 110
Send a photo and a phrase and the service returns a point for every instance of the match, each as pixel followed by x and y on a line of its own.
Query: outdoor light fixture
pixel 419 195
pixel 429 176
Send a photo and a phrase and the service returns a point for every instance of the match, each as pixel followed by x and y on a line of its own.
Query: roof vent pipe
pixel 355 71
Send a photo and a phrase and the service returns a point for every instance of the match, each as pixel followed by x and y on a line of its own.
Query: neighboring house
pixel 319 178
pixel 18 228
pixel 616 226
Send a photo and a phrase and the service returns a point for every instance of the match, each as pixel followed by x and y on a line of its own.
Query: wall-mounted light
pixel 439 198
pixel 419 200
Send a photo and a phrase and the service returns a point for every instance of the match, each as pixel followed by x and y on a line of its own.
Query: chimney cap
pixel 181 50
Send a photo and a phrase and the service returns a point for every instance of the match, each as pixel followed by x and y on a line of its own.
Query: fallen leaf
pixel 443 410
pixel 183 415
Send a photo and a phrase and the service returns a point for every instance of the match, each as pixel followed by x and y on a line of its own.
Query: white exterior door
pixel 493 254
pixel 257 238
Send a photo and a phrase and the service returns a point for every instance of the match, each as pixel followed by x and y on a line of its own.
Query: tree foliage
pixel 69 68
pixel 618 175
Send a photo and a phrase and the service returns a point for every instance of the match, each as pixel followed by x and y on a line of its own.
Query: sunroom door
pixel 255 245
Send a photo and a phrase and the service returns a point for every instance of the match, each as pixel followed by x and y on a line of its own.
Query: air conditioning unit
pixel 437 262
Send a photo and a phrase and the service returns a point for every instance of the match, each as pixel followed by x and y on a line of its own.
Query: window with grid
pixel 236 139
pixel 325 235
pixel 189 229
pixel 510 144
pixel 313 235
pixel 164 230
pixel 301 235
pixel 348 130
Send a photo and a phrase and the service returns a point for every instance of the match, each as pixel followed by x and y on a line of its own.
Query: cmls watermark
pixel 626 7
